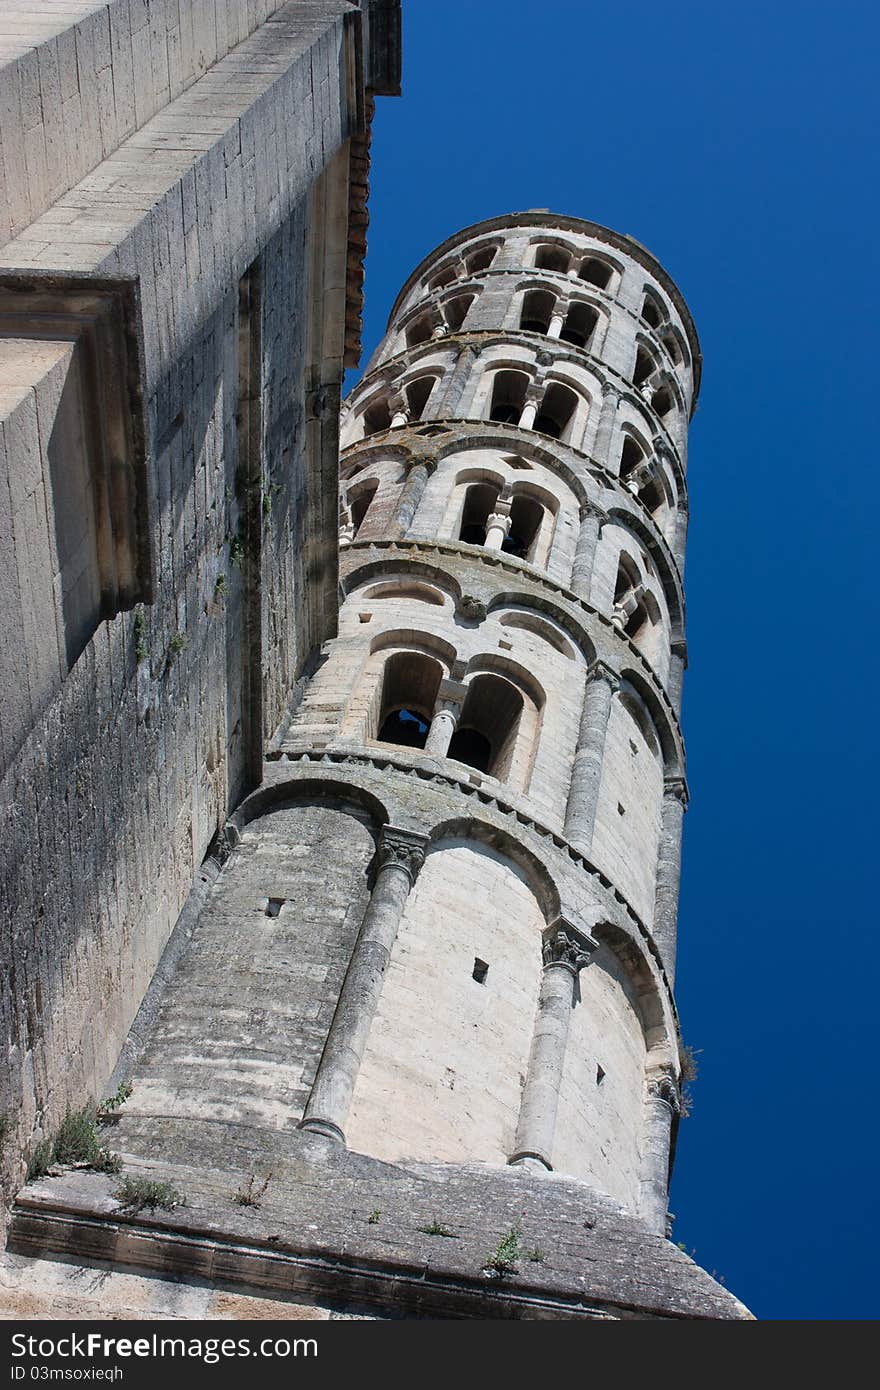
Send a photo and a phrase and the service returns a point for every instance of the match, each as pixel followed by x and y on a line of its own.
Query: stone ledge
pixel 312 1235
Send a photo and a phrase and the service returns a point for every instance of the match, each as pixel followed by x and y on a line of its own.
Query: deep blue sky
pixel 737 142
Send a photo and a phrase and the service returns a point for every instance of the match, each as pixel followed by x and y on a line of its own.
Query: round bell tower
pixel 511 646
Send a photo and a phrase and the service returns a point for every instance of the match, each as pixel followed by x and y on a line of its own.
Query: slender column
pixel 530 409
pixel 586 774
pixel 679 537
pixel 447 712
pixel 662 1103
pixel 585 553
pixel 605 431
pixel 497 527
pixel 566 951
pixel 557 318
pixel 678 661
pixel 411 495
pixel 675 797
pixel 453 399
pixel 626 606
pixel 399 419
pixel 401 855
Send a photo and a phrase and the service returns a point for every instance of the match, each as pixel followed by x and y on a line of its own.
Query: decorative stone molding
pixel 473 610
pixel 564 945
pixel 600 671
pixel 403 849
pixel 664 1087
pixel 677 787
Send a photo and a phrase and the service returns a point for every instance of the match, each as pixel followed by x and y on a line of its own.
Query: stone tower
pixel 424 989
pixel 510 655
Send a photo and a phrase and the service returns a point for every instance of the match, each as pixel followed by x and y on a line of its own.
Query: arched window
pixel 526 515
pixel 508 397
pixel 359 500
pixel 419 331
pixel 652 310
pixel 552 258
pixel 417 393
pixel 630 458
pixel 537 310
pixel 672 346
pixel 579 325
pixel 377 417
pixel 630 610
pixel 663 402
pixel 455 311
pixel 479 502
pixel 485 738
pixel 644 366
pixel 444 277
pixel 410 681
pixel 595 272
pixel 480 259
pixel 556 411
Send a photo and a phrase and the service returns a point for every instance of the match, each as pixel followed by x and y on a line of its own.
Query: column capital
pixel 599 671
pixel 663 1086
pixel 677 787
pixel 451 692
pixel 610 390
pixel 591 508
pixel 402 849
pixel 565 945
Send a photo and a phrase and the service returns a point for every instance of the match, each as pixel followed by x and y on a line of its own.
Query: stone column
pixel 401 855
pixel 557 319
pixel 602 444
pixel 447 712
pixel 586 774
pixel 675 797
pixel 454 402
pixel 585 553
pixel 662 1102
pixel 411 495
pixel 678 661
pixel 566 951
pixel 679 537
pixel 530 409
pixel 399 418
pixel 497 527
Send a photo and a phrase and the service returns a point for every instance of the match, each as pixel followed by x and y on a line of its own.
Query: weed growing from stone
pixel 373 1218
pixel 137 1193
pixel 507 1252
pixel 435 1229
pixel 75 1145
pixel 249 1195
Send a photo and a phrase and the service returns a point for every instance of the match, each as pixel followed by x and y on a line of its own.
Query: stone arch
pixel 404 587
pixel 302 790
pixel 382 568
pixel 536 871
pixel 540 627
pixel 666 734
pixel 541 605
pixel 667 576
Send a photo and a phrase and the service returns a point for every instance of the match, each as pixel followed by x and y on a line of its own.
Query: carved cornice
pixel 565 946
pixel 600 671
pixel 663 1086
pixel 677 787
pixel 402 849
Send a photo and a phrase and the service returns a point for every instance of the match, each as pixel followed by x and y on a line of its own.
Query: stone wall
pixel 198 177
